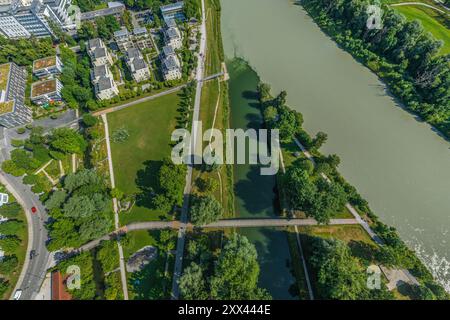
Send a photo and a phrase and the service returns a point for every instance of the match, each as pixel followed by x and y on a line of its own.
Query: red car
pixel 33 210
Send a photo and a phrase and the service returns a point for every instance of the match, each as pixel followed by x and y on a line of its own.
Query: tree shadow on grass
pixel 147 182
pixel 362 250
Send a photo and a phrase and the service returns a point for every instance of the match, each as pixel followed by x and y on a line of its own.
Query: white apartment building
pixel 137 65
pixel 26 18
pixel 99 53
pixel 47 67
pixel 103 81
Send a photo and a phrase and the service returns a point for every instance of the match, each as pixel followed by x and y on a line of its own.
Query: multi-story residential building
pixel 171 68
pixel 173 11
pixel 99 53
pixel 141 38
pixel 13 111
pixel 115 9
pixel 168 51
pixel 172 37
pixel 105 88
pixel 103 81
pixel 47 66
pixel 46 91
pixel 137 65
pixel 23 19
pixel 123 39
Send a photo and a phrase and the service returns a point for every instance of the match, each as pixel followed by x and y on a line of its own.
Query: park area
pixel 432 20
pixel 136 160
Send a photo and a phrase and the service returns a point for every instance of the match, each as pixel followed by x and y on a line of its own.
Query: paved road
pixel 187 190
pixel 34 270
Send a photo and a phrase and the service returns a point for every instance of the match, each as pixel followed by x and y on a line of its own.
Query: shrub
pixel 21 130
pixel 120 135
pixel 17 143
pixel 30 179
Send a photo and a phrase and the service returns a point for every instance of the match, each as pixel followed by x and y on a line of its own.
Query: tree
pixel 206 184
pixel 10 210
pixel 10 243
pixel 192 283
pixel 329 199
pixel 236 272
pixel 320 139
pixel 339 275
pixel 171 180
pixel 205 209
pixel 299 189
pixel 8 264
pixel 4 285
pixel 89 120
pixel 56 199
pixel 66 140
pixel 271 116
pixel 10 227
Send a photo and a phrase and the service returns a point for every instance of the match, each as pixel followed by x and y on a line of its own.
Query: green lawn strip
pixel 20 251
pixel 136 161
pixel 431 20
pixel 214 55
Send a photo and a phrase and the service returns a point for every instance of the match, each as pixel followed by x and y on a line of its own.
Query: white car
pixel 18 294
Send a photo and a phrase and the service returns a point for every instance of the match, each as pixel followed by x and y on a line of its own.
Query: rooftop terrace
pixel 44 63
pixel 43 87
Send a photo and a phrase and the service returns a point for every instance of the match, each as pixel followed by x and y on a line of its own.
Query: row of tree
pixel 401 52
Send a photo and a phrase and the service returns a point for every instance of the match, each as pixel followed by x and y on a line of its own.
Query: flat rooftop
pixel 43 87
pixel 44 63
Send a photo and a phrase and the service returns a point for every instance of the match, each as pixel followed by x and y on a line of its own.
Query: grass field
pixel 432 21
pixel 137 160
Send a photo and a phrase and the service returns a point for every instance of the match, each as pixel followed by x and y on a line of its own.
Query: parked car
pixel 18 294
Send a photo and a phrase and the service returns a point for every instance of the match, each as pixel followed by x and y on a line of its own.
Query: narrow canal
pixel 256 194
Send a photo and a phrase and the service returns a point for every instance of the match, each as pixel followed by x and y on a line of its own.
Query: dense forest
pixel 401 52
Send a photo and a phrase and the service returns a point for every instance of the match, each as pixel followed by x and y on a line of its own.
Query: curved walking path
pixel 420 4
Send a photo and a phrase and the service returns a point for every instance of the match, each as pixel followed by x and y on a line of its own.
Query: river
pixel 400 165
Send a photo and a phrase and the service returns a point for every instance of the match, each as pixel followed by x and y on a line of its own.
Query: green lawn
pixel 137 160
pixel 432 22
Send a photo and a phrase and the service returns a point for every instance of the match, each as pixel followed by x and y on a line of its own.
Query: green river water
pixel 400 165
